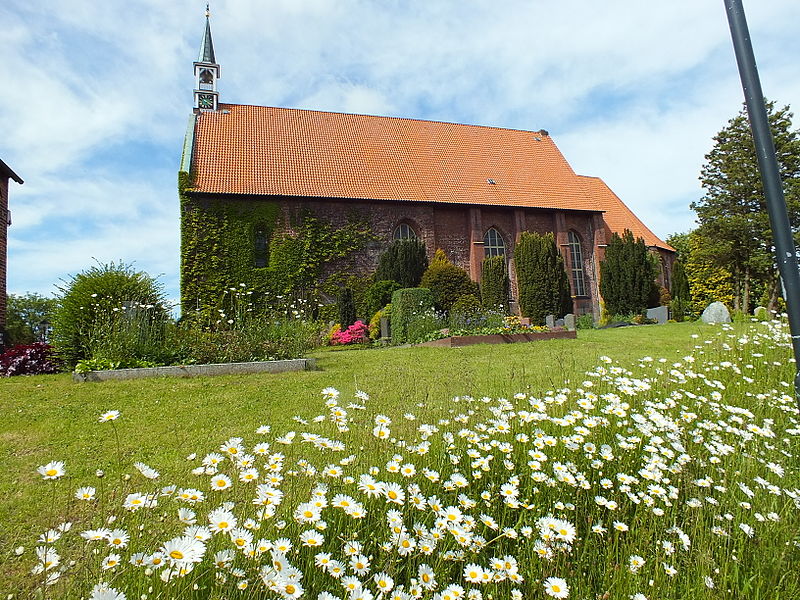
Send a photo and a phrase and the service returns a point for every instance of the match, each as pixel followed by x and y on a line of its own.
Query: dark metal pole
pixel 770 175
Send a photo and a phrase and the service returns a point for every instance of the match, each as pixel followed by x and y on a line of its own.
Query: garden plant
pixel 664 477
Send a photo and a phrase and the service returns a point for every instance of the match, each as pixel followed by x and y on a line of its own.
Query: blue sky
pixel 97 97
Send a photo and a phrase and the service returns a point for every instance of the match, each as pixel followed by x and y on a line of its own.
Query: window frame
pixel 577 270
pixel 408 228
pixel 494 249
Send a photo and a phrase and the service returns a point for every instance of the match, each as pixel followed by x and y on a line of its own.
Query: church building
pixel 467 189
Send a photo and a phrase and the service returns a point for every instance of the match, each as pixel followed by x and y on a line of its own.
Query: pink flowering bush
pixel 357 333
pixel 33 359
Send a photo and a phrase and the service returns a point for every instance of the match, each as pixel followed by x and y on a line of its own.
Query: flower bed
pixel 508 338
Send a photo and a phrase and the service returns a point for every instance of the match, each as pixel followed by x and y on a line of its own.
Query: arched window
pixel 493 244
pixel 404 232
pixel 260 247
pixel 576 258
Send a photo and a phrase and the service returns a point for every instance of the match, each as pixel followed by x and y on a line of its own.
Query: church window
pixel 404 232
pixel 576 260
pixel 260 247
pixel 493 244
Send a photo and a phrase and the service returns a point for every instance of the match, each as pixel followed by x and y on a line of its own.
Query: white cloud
pixel 95 115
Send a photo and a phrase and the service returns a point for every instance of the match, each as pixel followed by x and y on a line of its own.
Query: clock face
pixel 206 101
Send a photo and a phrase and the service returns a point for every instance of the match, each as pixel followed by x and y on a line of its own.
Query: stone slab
pixel 660 314
pixel 569 322
pixel 245 368
pixel 512 338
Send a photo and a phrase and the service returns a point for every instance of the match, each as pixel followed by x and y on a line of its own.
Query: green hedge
pixel 406 304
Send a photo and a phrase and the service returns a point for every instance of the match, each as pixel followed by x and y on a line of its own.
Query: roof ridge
pixel 332 112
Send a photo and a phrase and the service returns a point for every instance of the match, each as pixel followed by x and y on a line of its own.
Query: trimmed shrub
pixel 347 308
pixel 90 312
pixel 626 275
pixel 33 359
pixel 494 284
pixel 447 283
pixel 543 283
pixel 408 303
pixel 379 294
pixel 404 262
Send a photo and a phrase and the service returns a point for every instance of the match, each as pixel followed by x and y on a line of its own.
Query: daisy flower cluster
pixel 636 483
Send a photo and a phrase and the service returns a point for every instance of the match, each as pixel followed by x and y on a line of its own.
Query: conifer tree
pixel 494 283
pixel 679 292
pixel 447 282
pixel 404 262
pixel 541 277
pixel 734 224
pixel 626 275
pixel 347 308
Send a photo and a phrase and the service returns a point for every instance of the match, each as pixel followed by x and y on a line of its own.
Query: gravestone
pixel 716 312
pixel 659 314
pixel 550 321
pixel 559 322
pixel 761 313
pixel 569 322
pixel 386 331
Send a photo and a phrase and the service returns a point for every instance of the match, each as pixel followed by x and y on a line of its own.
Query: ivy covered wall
pixel 304 256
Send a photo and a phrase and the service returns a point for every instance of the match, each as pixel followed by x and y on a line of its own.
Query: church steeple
pixel 206 72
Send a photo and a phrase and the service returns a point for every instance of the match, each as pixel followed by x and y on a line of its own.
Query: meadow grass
pixel 642 418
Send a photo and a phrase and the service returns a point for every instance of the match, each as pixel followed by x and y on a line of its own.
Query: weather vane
pixel 208 11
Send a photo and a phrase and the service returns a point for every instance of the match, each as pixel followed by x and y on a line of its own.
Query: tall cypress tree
pixel 404 262
pixel 494 283
pixel 626 275
pixel 541 278
pixel 679 292
pixel 347 308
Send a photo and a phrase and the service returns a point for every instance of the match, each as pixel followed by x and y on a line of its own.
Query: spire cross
pixel 208 11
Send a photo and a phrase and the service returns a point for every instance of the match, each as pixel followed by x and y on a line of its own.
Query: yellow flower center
pixel 51 472
pixel 240 542
pixel 290 589
pixel 426 578
pixel 176 554
pixel 392 494
pixel 222 525
pixel 556 588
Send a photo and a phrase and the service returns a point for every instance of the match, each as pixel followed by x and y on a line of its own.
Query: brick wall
pixel 458 230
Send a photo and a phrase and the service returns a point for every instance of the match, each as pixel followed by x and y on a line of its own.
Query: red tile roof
pixel 617 216
pixel 258 150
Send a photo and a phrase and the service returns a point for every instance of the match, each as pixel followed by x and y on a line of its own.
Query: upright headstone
pixel 386 332
pixel 550 321
pixel 569 322
pixel 716 312
pixel 761 313
pixel 660 314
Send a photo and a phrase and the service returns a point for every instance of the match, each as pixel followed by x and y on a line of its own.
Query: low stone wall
pixel 246 368
pixel 513 338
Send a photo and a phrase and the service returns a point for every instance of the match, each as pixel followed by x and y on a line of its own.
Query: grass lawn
pixel 49 418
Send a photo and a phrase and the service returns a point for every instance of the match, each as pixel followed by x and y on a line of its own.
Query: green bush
pixel 543 284
pixel 447 283
pixel 585 321
pixel 347 308
pixel 404 262
pixel 494 284
pixel 626 275
pixel 407 303
pixel 99 310
pixel 379 294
